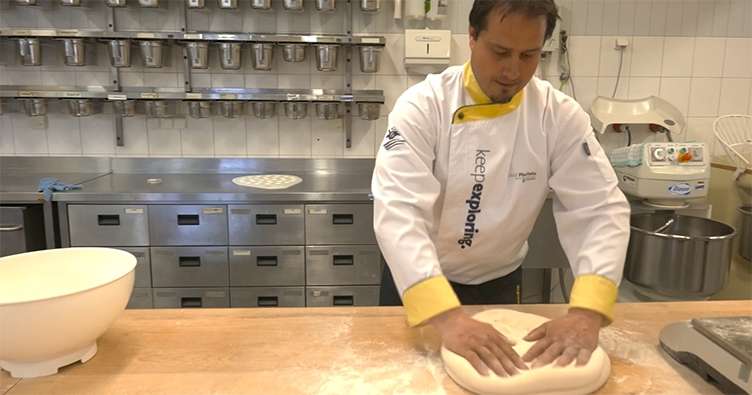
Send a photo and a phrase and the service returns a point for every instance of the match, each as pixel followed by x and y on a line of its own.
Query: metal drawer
pixel 339 224
pixel 188 225
pixel 265 266
pixel 173 298
pixel 267 297
pixel 266 225
pixel 21 229
pixel 342 296
pixel 189 266
pixel 141 298
pixel 108 225
pixel 343 265
pixel 143 266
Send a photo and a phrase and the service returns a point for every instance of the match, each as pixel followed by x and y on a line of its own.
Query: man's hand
pixel 572 336
pixel 482 345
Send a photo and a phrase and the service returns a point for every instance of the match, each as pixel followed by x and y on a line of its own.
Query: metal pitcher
pixel 327 111
pixel 326 57
pixel 369 111
pixel 120 52
pixel 124 108
pixel 262 56
pixel 198 54
pixel 80 107
pixel 369 58
pixel 199 109
pixel 326 5
pixel 264 110
pixel 261 4
pixel 369 5
pixel 35 107
pixel 151 52
pixel 227 4
pixel 293 52
pixel 30 51
pixel 195 3
pixel 296 109
pixel 293 5
pixel 232 109
pixel 230 55
pixel 157 109
pixel 73 51
pixel 116 3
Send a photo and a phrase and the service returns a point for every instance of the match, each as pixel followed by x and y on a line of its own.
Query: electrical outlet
pixel 622 43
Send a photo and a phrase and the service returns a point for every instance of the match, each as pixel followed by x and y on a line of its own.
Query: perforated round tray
pixel 267 181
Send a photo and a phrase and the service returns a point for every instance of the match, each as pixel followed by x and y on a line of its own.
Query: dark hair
pixel 531 8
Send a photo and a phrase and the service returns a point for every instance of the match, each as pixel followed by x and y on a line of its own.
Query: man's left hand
pixel 564 339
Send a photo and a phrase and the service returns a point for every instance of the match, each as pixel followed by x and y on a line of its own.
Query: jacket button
pixel 461 115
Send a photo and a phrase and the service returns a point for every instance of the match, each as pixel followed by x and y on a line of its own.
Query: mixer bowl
pixel 54 304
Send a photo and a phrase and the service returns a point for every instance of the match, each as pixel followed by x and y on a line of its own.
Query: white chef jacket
pixel 459 183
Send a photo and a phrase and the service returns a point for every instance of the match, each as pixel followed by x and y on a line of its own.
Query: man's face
pixel 505 55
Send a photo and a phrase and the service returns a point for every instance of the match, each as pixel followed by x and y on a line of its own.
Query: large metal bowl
pixel 691 257
pixel 54 304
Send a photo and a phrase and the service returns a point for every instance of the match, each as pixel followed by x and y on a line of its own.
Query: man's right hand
pixel 478 342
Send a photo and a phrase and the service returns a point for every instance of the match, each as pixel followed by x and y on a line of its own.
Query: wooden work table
pixel 367 350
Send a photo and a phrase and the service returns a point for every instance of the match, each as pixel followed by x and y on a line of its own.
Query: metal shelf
pixel 342 39
pixel 214 94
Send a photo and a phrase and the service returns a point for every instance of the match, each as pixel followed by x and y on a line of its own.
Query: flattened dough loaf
pixel 548 380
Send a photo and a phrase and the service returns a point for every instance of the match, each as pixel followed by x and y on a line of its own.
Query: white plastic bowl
pixel 54 304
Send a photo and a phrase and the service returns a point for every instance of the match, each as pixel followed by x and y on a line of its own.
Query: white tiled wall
pixel 694 53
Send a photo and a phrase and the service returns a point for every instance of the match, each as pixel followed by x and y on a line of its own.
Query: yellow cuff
pixel 427 299
pixel 596 293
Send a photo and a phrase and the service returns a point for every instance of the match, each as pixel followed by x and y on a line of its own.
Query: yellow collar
pixel 483 108
pixel 477 94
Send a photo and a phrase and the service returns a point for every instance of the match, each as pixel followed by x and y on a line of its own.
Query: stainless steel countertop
pixel 22 188
pixel 317 186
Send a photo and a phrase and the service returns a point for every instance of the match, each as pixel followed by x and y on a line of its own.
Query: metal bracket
pixel 347 119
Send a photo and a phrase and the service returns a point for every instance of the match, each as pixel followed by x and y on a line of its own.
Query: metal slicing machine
pixel 718 349
pixel 666 174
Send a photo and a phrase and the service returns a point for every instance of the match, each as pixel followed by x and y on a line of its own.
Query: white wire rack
pixel 734 132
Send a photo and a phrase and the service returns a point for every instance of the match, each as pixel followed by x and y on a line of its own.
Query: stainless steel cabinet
pixel 108 225
pixel 189 266
pixel 267 297
pixel 342 296
pixel 343 265
pixel 141 298
pixel 21 229
pixel 339 224
pixel 267 266
pixel 143 266
pixel 191 297
pixel 187 225
pixel 266 225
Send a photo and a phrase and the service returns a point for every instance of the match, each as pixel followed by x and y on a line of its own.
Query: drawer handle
pixel 190 302
pixel 10 228
pixel 267 301
pixel 189 261
pixel 266 219
pixel 342 219
pixel 266 261
pixel 185 219
pixel 343 260
pixel 344 300
pixel 108 220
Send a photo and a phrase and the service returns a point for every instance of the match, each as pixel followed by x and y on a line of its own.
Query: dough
pixel 547 380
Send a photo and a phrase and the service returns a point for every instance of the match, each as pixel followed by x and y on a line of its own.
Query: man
pixel 464 169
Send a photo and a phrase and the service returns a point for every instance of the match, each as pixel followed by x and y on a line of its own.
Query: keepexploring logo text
pixel 473 203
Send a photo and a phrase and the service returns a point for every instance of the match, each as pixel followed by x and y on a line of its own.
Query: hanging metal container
pixel 232 109
pixel 151 52
pixel 227 4
pixel 74 3
pixel 80 107
pixel 230 55
pixel 35 107
pixel 264 110
pixel 30 51
pixel 326 5
pixel 262 55
pixel 369 111
pixel 198 54
pixel 293 5
pixel 124 108
pixel 195 3
pixel 120 52
pixel 261 4
pixel 296 109
pixel 369 5
pixel 326 57
pixel 148 3
pixel 74 51
pixel 369 58
pixel 293 52
pixel 158 109
pixel 327 111
pixel 199 109
pixel 116 3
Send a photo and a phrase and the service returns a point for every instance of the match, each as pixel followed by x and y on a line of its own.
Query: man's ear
pixel 473 36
